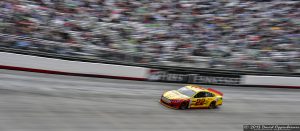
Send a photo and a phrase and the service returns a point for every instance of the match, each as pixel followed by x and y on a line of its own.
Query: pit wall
pixel 12 61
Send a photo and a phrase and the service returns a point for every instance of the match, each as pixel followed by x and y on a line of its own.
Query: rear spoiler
pixel 215 91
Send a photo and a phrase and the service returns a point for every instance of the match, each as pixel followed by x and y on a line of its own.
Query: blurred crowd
pixel 226 34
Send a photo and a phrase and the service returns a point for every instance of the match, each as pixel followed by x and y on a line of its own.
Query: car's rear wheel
pixel 183 106
pixel 212 105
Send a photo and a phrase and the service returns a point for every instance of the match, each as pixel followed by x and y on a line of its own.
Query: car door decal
pixel 200 101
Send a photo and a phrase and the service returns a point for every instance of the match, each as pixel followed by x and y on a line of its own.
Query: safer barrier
pixel 274 81
pixel 58 66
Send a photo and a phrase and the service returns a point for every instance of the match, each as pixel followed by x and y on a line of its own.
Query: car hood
pixel 173 94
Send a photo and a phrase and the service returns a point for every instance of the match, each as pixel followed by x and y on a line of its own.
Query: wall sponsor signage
pixel 199 78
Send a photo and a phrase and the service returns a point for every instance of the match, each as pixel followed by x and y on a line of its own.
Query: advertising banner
pixel 193 78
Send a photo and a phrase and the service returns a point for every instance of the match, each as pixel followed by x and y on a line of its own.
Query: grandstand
pixel 254 35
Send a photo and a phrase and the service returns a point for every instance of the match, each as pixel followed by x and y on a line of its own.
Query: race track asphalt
pixel 43 102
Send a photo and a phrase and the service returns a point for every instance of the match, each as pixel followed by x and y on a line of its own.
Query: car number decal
pixel 200 102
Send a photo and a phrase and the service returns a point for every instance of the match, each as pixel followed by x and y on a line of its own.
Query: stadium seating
pixel 254 35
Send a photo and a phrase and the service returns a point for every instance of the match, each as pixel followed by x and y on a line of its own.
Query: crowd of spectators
pixel 225 34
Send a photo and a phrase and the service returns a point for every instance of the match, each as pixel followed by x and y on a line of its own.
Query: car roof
pixel 196 88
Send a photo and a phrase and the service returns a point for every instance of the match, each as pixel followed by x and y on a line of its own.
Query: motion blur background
pixel 221 42
pixel 256 35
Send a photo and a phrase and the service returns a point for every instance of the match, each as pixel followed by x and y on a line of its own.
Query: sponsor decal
pixel 156 75
pixel 213 80
pixel 164 76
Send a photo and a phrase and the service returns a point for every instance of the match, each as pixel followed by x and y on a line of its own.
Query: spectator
pixel 227 33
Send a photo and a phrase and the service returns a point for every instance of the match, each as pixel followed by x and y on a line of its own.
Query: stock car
pixel 192 96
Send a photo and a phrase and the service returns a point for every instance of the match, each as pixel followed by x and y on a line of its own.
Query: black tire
pixel 183 106
pixel 212 105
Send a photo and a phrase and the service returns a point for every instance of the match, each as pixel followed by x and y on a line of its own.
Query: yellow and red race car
pixel 192 96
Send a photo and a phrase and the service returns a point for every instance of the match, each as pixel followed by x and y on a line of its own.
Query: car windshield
pixel 186 91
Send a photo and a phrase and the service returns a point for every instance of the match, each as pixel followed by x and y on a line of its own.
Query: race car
pixel 192 96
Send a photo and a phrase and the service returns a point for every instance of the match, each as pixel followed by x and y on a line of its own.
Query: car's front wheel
pixel 183 106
